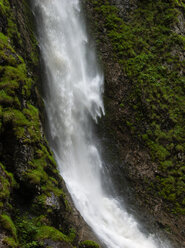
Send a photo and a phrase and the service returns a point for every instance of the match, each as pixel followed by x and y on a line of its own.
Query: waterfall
pixel 73 100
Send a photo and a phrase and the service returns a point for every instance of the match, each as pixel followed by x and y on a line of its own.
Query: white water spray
pixel 73 99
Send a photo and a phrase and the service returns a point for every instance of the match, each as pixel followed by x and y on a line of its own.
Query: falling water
pixel 73 99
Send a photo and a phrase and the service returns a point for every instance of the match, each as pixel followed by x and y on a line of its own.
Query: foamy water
pixel 73 98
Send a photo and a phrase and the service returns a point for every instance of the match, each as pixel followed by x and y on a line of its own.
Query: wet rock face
pixel 125 7
pixel 53 202
pixel 180 25
pixel 51 243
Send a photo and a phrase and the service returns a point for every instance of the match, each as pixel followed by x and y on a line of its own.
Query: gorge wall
pixel 35 209
pixel 141 45
pixel 141 48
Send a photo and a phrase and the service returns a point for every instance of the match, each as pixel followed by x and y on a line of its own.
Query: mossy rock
pixel 7 183
pixel 148 51
pixel 49 232
pixel 10 242
pixel 8 225
pixel 25 150
pixel 88 244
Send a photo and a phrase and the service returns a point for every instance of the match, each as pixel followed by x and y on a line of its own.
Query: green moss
pixel 34 176
pixel 30 23
pixel 27 229
pixel 23 122
pixel 19 117
pixel 37 175
pixel 3 39
pixel 149 52
pixel 5 99
pixel 88 244
pixel 40 203
pixel 31 113
pixel 72 235
pixel 10 242
pixel 179 148
pixel 15 117
pixel 167 164
pixel 5 188
pixel 48 232
pixel 8 225
pixel 15 78
pixel 7 182
pixel 159 151
pixel 4 6
pixel 49 187
pixel 15 73
pixel 34 57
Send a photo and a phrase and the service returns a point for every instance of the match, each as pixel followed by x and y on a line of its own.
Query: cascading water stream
pixel 73 98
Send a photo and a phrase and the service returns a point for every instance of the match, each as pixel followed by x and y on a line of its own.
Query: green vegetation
pixel 5 187
pixel 48 232
pixel 26 229
pixel 151 55
pixel 5 6
pixel 88 244
pixel 10 242
pixel 25 151
pixel 7 182
pixel 8 225
pixel 33 231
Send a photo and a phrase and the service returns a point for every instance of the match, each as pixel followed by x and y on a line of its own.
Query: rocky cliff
pixel 35 209
pixel 141 45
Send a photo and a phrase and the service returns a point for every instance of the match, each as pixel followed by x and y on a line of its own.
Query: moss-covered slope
pixel 142 47
pixel 151 53
pixel 34 211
